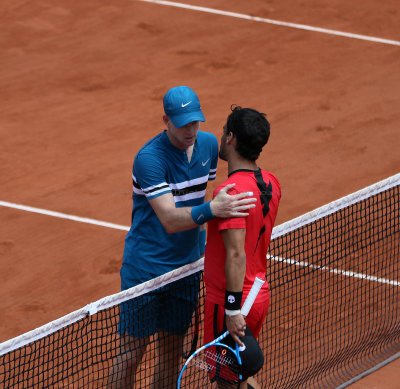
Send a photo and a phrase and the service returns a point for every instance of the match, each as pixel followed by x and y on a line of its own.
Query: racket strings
pixel 219 359
pixel 212 369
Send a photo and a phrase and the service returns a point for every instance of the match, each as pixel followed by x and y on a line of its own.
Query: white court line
pixel 63 215
pixel 125 228
pixel 275 22
pixel 346 273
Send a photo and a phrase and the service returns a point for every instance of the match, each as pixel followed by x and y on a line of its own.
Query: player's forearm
pixel 179 219
pixel 235 269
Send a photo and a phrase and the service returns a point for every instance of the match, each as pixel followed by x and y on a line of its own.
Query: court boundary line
pixel 275 22
pixel 279 230
pixel 339 272
pixel 287 227
pixel 61 215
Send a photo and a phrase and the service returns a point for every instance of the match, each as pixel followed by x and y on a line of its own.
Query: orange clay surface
pixel 81 90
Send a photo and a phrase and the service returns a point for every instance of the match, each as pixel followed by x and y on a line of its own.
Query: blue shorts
pixel 169 308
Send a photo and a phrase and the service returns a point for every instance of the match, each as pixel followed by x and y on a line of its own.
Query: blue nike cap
pixel 182 106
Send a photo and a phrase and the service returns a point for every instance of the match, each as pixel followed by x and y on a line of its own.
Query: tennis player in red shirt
pixel 237 247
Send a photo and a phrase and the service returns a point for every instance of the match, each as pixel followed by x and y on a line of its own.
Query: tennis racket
pixel 216 364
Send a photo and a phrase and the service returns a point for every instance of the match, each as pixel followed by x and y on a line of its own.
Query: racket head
pixel 215 365
pixel 251 354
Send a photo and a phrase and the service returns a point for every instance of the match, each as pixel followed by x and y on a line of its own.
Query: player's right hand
pixel 225 205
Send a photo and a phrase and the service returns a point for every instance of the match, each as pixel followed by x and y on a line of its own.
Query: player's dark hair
pixel 251 129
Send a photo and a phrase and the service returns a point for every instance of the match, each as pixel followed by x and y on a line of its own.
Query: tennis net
pixel 334 276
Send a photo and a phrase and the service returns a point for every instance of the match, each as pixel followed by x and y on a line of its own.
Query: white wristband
pixel 229 312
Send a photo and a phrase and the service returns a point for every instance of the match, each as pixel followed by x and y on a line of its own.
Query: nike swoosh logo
pixel 205 163
pixel 184 105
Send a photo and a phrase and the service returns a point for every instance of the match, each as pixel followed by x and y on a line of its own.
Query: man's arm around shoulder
pixel 180 219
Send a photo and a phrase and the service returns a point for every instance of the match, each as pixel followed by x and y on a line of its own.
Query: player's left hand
pixel 236 327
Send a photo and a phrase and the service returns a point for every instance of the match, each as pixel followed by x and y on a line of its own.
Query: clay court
pixel 82 85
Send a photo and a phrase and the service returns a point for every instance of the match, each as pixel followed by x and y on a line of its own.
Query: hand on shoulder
pixel 225 205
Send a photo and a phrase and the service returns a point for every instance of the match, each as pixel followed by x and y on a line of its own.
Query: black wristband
pixel 233 300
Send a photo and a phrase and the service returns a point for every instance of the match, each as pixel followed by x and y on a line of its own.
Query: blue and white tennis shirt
pixel 160 168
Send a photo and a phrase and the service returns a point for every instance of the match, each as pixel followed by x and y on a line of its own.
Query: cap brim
pixel 186 118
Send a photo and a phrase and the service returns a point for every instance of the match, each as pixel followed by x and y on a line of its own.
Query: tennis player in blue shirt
pixel 170 176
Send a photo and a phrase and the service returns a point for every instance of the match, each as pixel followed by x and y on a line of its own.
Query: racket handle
pixel 251 297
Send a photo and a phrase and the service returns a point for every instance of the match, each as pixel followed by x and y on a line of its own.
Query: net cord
pixel 101 304
pixel 335 206
pixel 191 268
